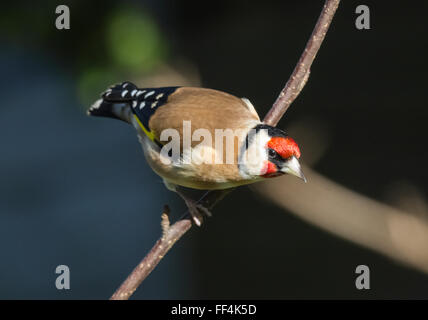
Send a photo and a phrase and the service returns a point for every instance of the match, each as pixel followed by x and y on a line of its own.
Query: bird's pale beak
pixel 293 167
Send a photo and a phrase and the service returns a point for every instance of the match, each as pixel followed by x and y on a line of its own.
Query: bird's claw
pixel 196 211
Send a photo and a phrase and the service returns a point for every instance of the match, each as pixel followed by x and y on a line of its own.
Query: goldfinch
pixel 258 151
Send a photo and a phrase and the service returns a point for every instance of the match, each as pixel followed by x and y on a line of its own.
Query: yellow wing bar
pixel 147 132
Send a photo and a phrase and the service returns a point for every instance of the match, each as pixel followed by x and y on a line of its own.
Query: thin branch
pixel 170 234
pixel 301 72
pixel 291 90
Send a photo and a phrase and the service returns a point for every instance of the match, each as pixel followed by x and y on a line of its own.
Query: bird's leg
pixel 196 209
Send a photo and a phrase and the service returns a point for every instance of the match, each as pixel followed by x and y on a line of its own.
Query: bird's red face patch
pixel 286 147
pixel 271 170
pixel 283 148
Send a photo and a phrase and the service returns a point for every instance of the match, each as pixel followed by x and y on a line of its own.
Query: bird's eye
pixel 273 154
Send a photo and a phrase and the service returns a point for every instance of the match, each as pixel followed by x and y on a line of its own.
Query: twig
pixel 291 90
pixel 301 72
pixel 170 234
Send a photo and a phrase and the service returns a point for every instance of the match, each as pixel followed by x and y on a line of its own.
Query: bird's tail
pixel 115 102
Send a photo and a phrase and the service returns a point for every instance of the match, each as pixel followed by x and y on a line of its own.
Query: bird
pixel 258 152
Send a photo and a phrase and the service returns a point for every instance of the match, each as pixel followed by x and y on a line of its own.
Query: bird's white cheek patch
pixel 253 162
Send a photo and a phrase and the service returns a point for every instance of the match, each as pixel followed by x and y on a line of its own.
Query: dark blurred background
pixel 76 190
